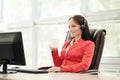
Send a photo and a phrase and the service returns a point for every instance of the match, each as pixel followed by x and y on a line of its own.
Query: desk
pixel 58 76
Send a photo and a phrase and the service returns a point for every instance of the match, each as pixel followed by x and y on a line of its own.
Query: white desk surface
pixel 59 76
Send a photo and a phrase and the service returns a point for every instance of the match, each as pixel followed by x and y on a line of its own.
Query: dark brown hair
pixel 84 26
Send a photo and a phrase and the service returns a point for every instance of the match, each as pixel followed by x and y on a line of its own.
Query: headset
pixel 83 26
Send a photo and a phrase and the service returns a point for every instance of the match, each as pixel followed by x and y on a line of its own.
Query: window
pixel 16 10
pixel 58 8
pixel 54 16
pixel 112 39
pixel 103 5
pixel 0 11
pixel 45 35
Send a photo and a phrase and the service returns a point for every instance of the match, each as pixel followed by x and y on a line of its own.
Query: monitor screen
pixel 11 49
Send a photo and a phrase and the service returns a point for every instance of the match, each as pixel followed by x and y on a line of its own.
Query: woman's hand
pixel 54 44
pixel 54 69
pixel 53 49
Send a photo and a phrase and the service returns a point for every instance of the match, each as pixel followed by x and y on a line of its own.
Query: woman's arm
pixel 56 58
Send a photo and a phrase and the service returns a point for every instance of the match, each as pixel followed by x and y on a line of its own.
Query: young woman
pixel 76 54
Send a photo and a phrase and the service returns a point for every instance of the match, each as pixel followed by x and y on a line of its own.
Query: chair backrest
pixel 98 37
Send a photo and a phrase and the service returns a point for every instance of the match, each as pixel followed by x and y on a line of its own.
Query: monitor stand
pixel 4 69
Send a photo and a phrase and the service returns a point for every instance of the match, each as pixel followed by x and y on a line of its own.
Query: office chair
pixel 98 37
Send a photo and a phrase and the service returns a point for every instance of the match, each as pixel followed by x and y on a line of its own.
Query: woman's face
pixel 74 29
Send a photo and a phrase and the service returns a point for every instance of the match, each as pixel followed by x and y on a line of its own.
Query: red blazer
pixel 78 57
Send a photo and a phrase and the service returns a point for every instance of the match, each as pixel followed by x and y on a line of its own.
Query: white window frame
pixel 104 16
pixel 1 5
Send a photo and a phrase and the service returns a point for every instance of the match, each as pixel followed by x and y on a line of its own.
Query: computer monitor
pixel 11 49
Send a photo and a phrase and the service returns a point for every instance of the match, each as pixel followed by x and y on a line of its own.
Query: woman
pixel 76 54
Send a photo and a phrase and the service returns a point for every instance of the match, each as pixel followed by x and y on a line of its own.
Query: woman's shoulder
pixel 90 42
pixel 85 41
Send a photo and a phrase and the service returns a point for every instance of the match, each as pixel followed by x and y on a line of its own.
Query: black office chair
pixel 98 37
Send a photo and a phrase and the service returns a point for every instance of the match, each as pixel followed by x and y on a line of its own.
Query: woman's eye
pixel 73 25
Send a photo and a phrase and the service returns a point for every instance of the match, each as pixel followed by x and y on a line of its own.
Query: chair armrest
pixel 91 71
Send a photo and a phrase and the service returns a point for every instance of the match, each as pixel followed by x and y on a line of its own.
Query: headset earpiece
pixel 83 25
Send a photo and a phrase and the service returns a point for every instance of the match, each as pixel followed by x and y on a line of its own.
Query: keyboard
pixel 28 70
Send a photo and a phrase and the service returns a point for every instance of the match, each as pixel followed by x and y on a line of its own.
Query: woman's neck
pixel 76 38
